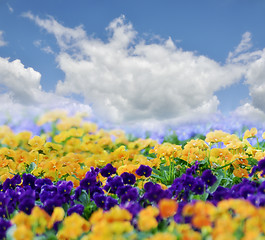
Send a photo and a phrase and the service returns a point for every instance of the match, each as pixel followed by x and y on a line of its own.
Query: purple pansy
pixel 208 177
pixel 108 170
pixel 110 202
pixel 128 178
pixel 198 187
pixel 123 190
pixel 78 208
pixel 113 184
pixel 130 195
pixel 29 180
pixel 64 187
pixel 90 180
pixel 27 201
pixel 11 183
pixel 144 170
pixel 154 192
pixel 100 200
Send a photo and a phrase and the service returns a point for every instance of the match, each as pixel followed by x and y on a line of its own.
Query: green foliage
pixel 166 174
pixel 172 138
pixel 84 199
pixel 89 209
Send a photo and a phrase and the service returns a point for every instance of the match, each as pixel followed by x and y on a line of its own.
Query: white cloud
pixel 125 79
pixel 46 49
pixel 2 41
pixel 37 43
pixel 65 36
pixel 21 91
pixel 249 113
pixel 10 8
pixel 243 46
pixel 241 54
pixel 255 79
pixel 21 82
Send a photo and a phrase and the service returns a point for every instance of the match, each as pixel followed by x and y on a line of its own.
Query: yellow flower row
pixel 79 145
pixel 220 222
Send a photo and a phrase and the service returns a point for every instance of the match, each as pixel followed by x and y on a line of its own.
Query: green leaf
pixel 162 225
pixel 226 182
pixel 157 177
pixel 204 164
pixel 239 233
pixel 200 136
pixel 84 198
pixel 182 162
pixel 43 238
pixel 50 235
pixel 195 197
pixel 164 168
pixel 31 167
pixel 204 196
pixel 89 209
pixel 156 171
pixel 236 180
pixel 65 207
pixel 10 231
pixel 252 161
pixel 220 176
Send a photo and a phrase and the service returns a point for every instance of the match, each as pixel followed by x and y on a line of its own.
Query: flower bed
pixel 75 181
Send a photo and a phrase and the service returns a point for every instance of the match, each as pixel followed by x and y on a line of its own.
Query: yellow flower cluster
pixel 73 227
pixel 147 218
pixel 35 223
pixel 235 151
pixel 78 146
pixel 233 215
pixel 227 218
pixel 110 225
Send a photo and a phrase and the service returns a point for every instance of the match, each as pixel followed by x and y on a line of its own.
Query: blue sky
pixel 134 61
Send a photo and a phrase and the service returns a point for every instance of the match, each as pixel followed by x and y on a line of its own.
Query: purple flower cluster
pixel 4 225
pixel 154 192
pixel 33 190
pixel 188 184
pixel 260 167
pixel 23 193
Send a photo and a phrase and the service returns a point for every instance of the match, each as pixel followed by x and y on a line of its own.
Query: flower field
pixel 77 181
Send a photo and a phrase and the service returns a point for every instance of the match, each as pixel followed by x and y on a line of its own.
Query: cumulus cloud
pixel 249 113
pixel 15 77
pixel 255 79
pixel 2 41
pixel 127 79
pixel 21 91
